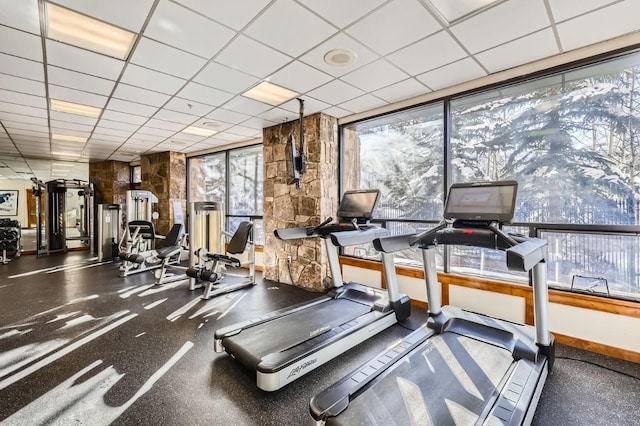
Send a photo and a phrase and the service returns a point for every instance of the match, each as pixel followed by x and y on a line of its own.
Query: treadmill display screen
pixel 358 204
pixel 482 201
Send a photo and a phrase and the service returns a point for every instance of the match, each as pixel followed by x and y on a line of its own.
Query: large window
pixel 233 178
pixel 570 139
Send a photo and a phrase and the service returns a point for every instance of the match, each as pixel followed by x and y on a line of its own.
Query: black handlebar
pixel 315 229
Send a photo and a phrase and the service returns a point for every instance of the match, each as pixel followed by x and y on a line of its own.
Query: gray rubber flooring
pixel 81 346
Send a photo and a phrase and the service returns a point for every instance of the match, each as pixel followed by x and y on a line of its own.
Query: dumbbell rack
pixel 10 236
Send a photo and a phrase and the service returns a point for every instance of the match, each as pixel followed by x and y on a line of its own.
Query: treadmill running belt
pixel 446 381
pixel 273 336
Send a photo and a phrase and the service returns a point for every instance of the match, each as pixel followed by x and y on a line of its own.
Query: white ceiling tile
pixel 116 139
pixel 521 51
pixel 516 17
pixel 131 107
pixel 117 125
pixel 403 90
pixel 74 58
pixel 76 96
pixel 269 28
pixel 311 106
pixel 403 21
pixel 12 125
pixel 135 75
pixel 363 103
pixel 228 116
pixel 315 58
pixel 458 72
pixel 28 133
pixel 565 9
pixel 152 131
pixel 244 131
pixel 618 19
pixel 79 81
pixel 235 14
pixel 340 12
pixel 70 132
pixel 188 138
pixel 123 117
pixel 258 123
pixel 179 27
pixel 225 78
pixel 261 62
pixel 419 57
pixel 23 99
pixel 21 67
pixel 336 112
pixel 275 115
pixel 188 106
pixel 21 44
pixel 374 76
pixel 72 118
pixel 335 92
pixel 21 85
pixel 8 116
pixel 299 77
pixel 164 125
pixel 141 96
pixel 167 59
pixel 231 137
pixel 208 123
pixel 71 126
pixel 176 117
pixel 245 105
pixel 123 13
pixel 100 132
pixel 203 94
pixel 142 143
pixel 23 15
pixel 23 110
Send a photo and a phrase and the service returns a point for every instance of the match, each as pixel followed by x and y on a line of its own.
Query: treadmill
pixel 460 367
pixel 284 345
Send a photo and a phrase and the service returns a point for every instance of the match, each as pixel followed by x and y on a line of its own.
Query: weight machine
pixel 207 263
pixel 109 224
pixel 55 225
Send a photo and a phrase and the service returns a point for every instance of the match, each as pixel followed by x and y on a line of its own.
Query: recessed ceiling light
pixel 270 93
pixel 82 31
pixel 456 11
pixel 78 109
pixel 58 137
pixel 199 131
pixel 66 154
pixel 211 124
pixel 340 57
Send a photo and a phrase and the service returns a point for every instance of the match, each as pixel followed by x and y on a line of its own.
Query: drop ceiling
pixel 193 59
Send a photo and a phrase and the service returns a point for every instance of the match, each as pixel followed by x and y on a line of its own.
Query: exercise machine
pixel 207 264
pixel 286 344
pixel 460 367
pixel 59 211
pixel 141 254
pixel 108 226
pixel 10 237
pixel 139 205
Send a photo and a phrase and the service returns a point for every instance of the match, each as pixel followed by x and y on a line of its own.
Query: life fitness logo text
pixel 301 368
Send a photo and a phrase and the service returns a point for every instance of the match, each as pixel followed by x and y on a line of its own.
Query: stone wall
pixel 286 206
pixel 165 175
pixel 111 181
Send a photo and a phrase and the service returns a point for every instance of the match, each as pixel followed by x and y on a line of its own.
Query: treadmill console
pixel 358 205
pixel 478 203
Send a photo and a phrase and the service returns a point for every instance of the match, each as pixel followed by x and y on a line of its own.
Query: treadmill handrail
pixel 358 236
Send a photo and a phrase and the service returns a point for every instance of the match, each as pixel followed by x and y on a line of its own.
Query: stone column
pixel 165 175
pixel 111 180
pixel 286 206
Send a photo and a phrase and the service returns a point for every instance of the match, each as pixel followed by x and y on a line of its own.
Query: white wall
pixel 619 331
pixel 21 186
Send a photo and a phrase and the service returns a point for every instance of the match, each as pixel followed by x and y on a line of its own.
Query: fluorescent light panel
pixel 456 11
pixel 199 131
pixel 270 93
pixel 77 109
pixel 79 30
pixel 69 138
